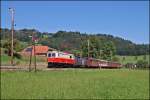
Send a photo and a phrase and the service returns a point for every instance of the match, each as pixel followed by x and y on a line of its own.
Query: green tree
pixel 108 51
pixel 98 48
pixel 17 47
pixel 93 47
pixel 124 58
pixel 142 64
pixel 7 45
pixel 115 58
pixel 136 57
pixel 144 57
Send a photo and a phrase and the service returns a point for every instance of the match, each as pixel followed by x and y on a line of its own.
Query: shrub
pixel 142 64
pixel 17 62
pixel 17 55
pixel 130 65
pixel 115 59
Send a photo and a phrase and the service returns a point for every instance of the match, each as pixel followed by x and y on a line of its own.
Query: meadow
pixel 6 60
pixel 76 84
pixel 131 59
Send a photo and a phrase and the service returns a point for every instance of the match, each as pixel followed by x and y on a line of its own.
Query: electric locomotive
pixel 60 59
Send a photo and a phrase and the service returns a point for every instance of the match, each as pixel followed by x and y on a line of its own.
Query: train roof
pixel 60 52
pixel 101 60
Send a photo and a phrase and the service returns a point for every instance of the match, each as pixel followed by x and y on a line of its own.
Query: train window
pixel 53 54
pixel 70 57
pixel 49 55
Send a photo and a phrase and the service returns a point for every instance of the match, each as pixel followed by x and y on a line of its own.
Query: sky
pixel 126 19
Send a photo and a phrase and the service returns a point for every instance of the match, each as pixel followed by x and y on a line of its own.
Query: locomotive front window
pixel 53 54
pixel 70 57
pixel 49 55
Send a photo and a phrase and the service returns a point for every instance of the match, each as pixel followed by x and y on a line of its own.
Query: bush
pixel 18 56
pixel 116 59
pixel 142 64
pixel 17 62
pixel 130 65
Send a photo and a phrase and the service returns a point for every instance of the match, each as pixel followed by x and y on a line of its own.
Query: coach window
pixel 49 55
pixel 53 54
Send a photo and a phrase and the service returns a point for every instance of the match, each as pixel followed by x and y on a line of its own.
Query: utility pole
pixel 100 54
pixel 81 51
pixel 88 47
pixel 34 51
pixel 30 55
pixel 12 33
pixel 30 59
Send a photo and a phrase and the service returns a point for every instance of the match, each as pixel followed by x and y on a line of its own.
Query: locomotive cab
pixel 51 54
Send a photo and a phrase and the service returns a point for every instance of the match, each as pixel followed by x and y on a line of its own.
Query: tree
pixel 7 45
pixel 144 57
pixel 123 47
pixel 124 58
pixel 93 47
pixel 136 57
pixel 108 51
pixel 142 64
pixel 17 47
pixel 115 58
pixel 98 48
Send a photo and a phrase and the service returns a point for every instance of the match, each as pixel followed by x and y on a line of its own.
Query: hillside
pixel 132 59
pixel 71 41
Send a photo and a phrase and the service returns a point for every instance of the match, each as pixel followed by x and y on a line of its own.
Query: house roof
pixel 38 49
pixel 41 49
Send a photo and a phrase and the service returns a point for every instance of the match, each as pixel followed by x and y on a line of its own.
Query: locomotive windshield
pixel 49 55
pixel 53 54
pixel 70 57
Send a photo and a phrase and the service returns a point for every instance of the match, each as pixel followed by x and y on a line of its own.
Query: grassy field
pixel 76 83
pixel 131 59
pixel 5 60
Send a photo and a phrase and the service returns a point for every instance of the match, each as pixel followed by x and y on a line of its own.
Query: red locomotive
pixel 57 58
pixel 62 59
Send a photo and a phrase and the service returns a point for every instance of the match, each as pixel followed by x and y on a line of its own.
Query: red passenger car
pixel 97 63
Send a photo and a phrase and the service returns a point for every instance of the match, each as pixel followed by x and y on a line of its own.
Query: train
pixel 64 59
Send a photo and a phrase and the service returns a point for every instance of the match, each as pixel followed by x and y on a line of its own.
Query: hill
pixel 71 41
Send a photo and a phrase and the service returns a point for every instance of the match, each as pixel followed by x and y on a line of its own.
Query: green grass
pixel 76 83
pixel 131 59
pixel 5 60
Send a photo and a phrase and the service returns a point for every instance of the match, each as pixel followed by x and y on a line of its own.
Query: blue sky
pixel 126 19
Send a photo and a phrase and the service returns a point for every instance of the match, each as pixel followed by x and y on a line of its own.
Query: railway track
pixel 26 68
pixel 11 68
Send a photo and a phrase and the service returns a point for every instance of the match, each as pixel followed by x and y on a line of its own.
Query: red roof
pixel 40 49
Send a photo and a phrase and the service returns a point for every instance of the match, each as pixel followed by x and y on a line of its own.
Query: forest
pixel 74 41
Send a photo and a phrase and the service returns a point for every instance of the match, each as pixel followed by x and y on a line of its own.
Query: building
pixel 39 50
